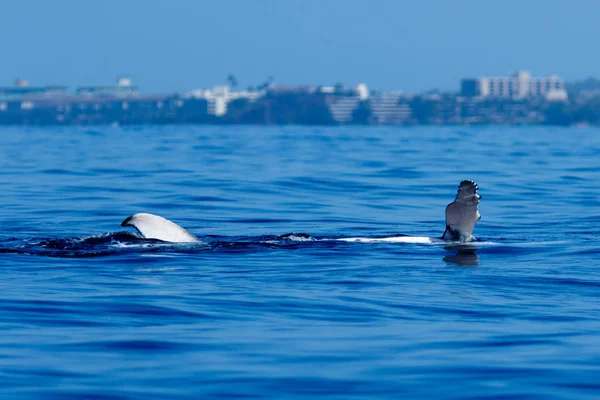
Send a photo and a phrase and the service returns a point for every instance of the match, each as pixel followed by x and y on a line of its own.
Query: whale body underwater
pixel 461 216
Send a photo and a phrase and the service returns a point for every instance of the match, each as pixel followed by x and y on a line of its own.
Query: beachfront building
pixel 386 108
pixel 342 106
pixel 517 85
pixel 218 98
pixel 390 108
pixel 22 88
pixel 119 103
pixel 123 88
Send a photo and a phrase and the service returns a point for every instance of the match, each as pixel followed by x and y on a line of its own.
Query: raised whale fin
pixel 152 226
pixel 462 214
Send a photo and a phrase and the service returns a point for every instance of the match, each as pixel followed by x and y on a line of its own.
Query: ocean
pixel 269 304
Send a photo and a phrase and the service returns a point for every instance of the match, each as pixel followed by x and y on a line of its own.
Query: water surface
pixel 268 306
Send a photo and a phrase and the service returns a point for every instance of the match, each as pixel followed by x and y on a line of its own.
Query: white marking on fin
pixel 152 226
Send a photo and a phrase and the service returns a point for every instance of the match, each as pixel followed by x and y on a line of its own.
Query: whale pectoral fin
pixel 462 214
pixel 450 234
pixel 152 226
pixel 467 188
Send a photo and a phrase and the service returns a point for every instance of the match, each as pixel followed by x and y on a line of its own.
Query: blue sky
pixel 389 44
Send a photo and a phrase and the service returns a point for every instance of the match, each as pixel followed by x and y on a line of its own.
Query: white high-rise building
pixel 518 85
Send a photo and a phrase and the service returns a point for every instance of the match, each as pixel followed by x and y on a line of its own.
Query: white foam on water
pixel 395 239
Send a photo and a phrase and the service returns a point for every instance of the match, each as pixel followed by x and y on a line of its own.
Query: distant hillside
pixel 588 84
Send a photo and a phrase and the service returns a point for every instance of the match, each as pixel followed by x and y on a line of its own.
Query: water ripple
pixel 271 304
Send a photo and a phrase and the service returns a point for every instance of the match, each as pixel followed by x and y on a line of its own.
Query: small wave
pixel 394 239
pixel 297 237
pixel 82 242
pixel 87 246
pixel 108 244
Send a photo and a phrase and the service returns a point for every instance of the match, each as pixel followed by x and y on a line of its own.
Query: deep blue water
pixel 89 310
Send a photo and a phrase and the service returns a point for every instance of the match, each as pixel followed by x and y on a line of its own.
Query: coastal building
pixel 220 96
pixel 21 88
pixel 280 89
pixel 517 85
pixel 342 107
pixel 123 88
pixel 361 90
pixel 389 108
pixel 120 103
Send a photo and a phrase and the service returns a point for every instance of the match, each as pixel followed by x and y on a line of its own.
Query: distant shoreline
pixel 291 105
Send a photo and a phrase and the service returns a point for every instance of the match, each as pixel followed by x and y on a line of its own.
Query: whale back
pixel 152 226
pixel 463 213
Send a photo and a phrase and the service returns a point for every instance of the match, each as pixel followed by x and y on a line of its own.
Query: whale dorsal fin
pixel 152 226
pixel 462 214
